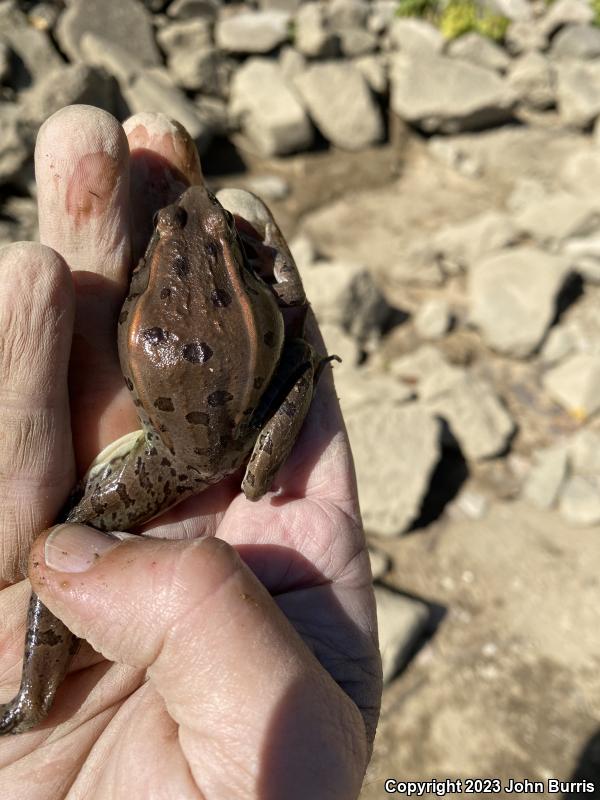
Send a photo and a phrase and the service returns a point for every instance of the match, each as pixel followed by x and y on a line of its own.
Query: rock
pixel 341 105
pixel 546 477
pixel 455 156
pixel 576 41
pixel 417 265
pixel 339 342
pixel 17 144
pixel 580 501
pixel 559 343
pixel 122 22
pixel 382 14
pixel 413 35
pixel 194 9
pixel 512 297
pixel 280 5
pixel 361 388
pixel 252 31
pixel 394 476
pixel 426 372
pixel 269 111
pixel 527 191
pixel 99 52
pixel 476 417
pixel 469 504
pixel 584 453
pixel 356 42
pixel 566 12
pixel 524 37
pixel 461 244
pixel 346 295
pixel 214 114
pixel 345 14
pixel 292 62
pixel 433 319
pixel 578 92
pixel 5 62
pixel 581 172
pixel 44 16
pixel 153 90
pixel 575 384
pixel 380 562
pixel 68 85
pixel 559 216
pixel 479 50
pixel 269 187
pixel 584 255
pixel 515 10
pixel 447 94
pixel 34 51
pixel 304 251
pixel 192 60
pixel 312 35
pixel 373 68
pixel 533 80
pixel 402 622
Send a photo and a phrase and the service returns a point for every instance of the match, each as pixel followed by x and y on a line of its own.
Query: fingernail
pixel 76 548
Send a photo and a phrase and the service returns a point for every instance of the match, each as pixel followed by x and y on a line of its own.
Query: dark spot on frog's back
pixel 164 404
pixel 269 338
pixel 123 315
pixel 220 298
pixel 219 398
pixel 258 382
pixel 165 292
pixel 211 249
pixel 197 418
pixel 49 638
pixel 129 383
pixel 154 335
pixel 181 265
pixel 196 352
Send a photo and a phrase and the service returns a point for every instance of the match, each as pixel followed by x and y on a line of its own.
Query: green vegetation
pixel 595 4
pixel 457 17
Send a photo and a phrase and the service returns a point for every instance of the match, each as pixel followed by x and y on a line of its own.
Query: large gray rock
pixel 433 318
pixel 426 372
pixel 575 384
pixel 312 34
pixel 192 60
pixel 461 244
pixel 512 297
pixel 576 41
pixel 481 424
pixel 394 476
pixel 193 9
pixel 414 35
pixel 525 37
pixel 252 31
pixel 479 50
pixel 546 477
pixel 346 295
pixel 373 68
pixel 346 14
pixel 580 172
pixel 340 103
pixel 533 79
pixel 559 216
pixel 356 42
pixel 447 94
pixel 401 621
pixel 515 10
pixel 36 55
pixel 269 111
pixel 566 12
pixel 122 22
pixel 584 453
pixel 578 92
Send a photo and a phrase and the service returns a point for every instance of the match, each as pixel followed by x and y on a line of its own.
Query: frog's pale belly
pixel 216 383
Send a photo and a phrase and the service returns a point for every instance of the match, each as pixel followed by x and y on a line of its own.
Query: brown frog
pixel 218 379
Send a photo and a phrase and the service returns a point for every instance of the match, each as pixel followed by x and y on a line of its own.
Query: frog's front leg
pixel 283 409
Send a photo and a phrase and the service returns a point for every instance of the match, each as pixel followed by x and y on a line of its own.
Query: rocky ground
pixel 442 200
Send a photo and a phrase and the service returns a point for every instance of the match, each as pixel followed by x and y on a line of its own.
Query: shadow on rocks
pixel 587 769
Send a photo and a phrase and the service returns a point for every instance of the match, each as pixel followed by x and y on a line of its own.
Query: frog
pixel 212 350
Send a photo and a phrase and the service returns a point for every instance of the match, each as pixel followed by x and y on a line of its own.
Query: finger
pixel 36 460
pixel 232 672
pixel 81 161
pixel 164 162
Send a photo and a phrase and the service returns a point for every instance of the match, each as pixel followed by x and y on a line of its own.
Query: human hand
pixel 245 657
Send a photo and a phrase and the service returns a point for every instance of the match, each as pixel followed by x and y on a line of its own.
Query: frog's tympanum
pixel 211 348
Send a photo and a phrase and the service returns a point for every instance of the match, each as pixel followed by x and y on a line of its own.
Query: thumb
pixel 227 663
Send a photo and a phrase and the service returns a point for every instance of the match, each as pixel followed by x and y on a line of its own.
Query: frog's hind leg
pixel 286 406
pixel 49 647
